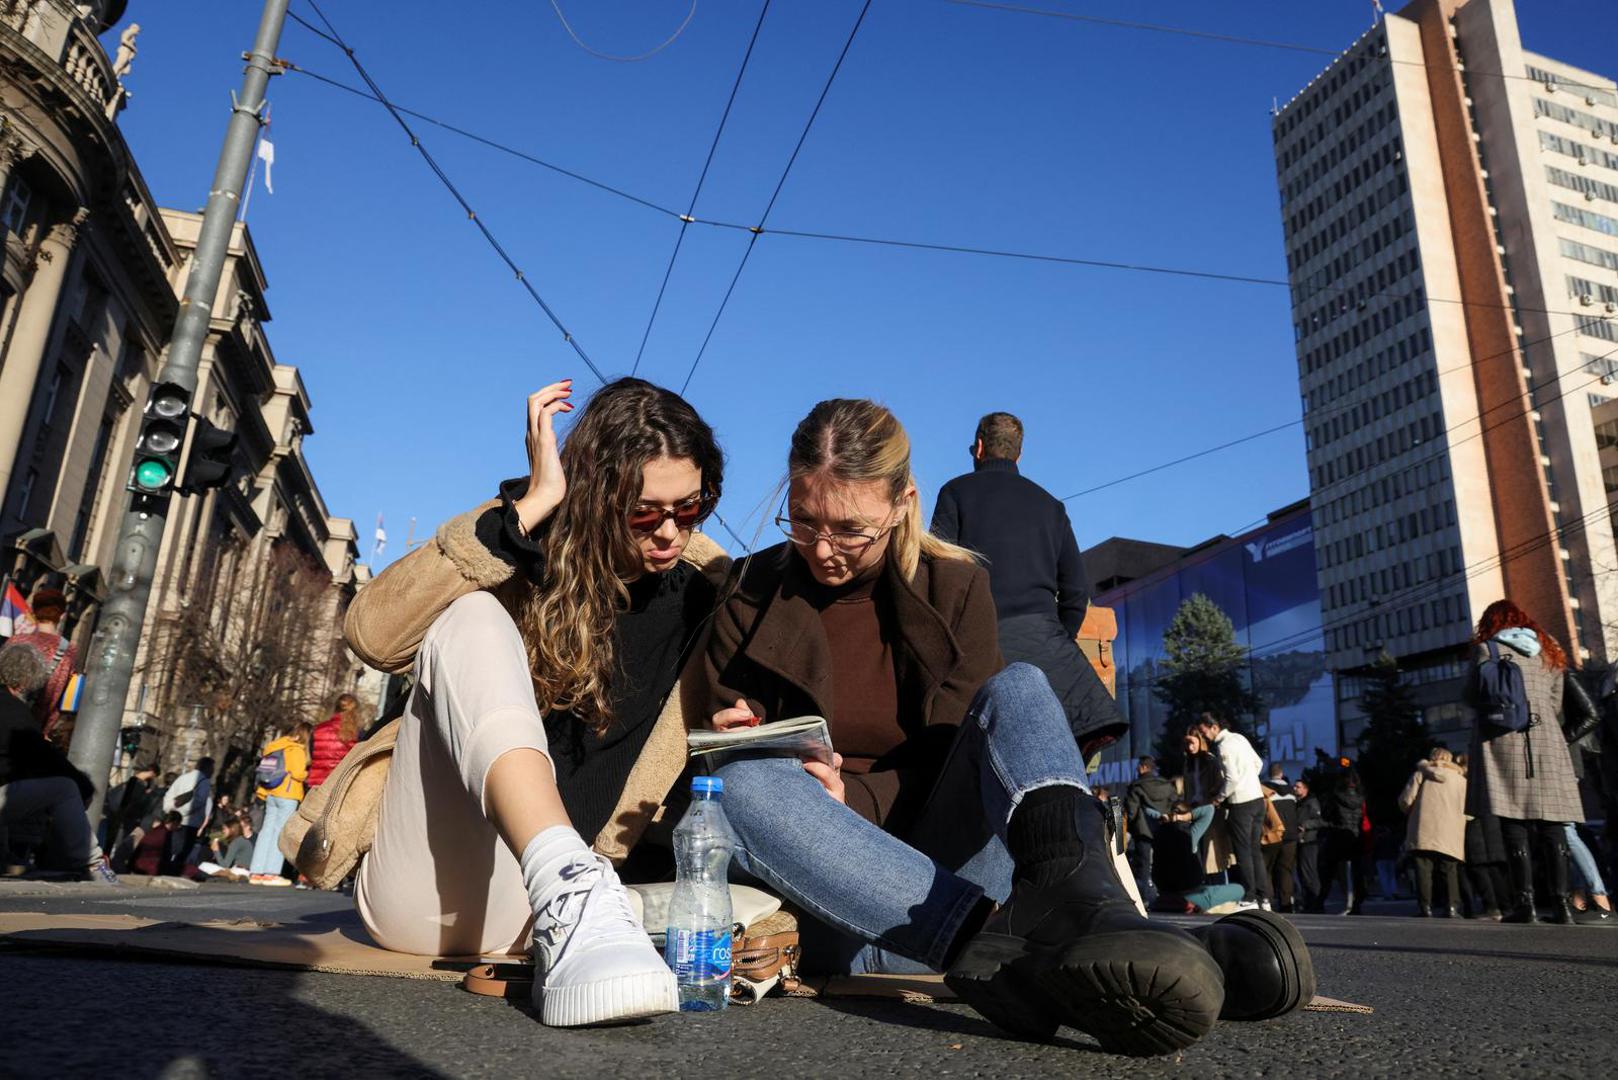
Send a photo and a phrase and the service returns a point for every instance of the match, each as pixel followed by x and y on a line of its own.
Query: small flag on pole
pixel 1377 12
pixel 381 541
pixel 266 154
pixel 14 614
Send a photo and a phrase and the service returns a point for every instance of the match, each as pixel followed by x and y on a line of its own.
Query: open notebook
pixel 801 737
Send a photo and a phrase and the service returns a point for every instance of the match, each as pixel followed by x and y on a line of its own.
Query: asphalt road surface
pixel 1452 998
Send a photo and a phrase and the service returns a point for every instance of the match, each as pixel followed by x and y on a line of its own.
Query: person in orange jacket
pixel 281 774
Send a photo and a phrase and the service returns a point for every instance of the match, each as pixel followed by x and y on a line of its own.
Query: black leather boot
pixel 1267 968
pixel 1561 911
pixel 1078 952
pixel 1520 864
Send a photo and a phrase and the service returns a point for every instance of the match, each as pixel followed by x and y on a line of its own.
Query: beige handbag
pixel 336 822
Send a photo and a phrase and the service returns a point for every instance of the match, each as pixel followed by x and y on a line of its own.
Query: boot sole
pixel 608 1001
pixel 1140 993
pixel 984 978
pixel 1292 956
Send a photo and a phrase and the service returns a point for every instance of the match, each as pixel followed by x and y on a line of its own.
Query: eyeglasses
pixel 850 542
pixel 685 515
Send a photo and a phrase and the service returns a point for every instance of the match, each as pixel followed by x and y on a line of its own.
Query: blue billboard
pixel 1265 582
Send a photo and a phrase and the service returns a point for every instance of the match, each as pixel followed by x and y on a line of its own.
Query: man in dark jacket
pixel 1149 792
pixel 1036 573
pixel 131 804
pixel 1310 824
pixel 35 776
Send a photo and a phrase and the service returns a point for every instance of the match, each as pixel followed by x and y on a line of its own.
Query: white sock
pixel 546 854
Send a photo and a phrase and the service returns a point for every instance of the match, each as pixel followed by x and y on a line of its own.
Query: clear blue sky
pixel 947 124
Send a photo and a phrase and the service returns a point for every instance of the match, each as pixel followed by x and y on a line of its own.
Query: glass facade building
pixel 1265 582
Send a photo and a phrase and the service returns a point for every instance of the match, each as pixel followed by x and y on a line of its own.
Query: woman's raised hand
pixel 546 484
pixel 739 716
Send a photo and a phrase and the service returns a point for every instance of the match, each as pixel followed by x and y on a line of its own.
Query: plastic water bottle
pixel 698 943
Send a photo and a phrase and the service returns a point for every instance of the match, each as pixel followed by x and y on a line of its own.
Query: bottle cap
pixel 707 785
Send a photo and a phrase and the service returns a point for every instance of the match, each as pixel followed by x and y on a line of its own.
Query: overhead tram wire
pixel 1233 39
pixel 376 94
pixel 686 218
pixel 1317 415
pixel 758 230
pixel 449 185
pixel 917 245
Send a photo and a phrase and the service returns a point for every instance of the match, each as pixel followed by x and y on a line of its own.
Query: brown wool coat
pixel 389 618
pixel 1435 800
pixel 1499 762
pixel 769 647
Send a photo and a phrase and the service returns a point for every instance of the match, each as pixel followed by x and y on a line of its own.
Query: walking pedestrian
pixel 1434 801
pixel 333 739
pixel 1036 573
pixel 1590 892
pixel 1525 778
pixel 60 655
pixel 1242 796
pixel 1281 857
pixel 1342 810
pixel 282 770
pixel 191 796
pixel 1150 798
pixel 1310 825
pixel 35 776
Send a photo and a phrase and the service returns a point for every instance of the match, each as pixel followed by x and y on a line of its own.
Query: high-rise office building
pixel 1450 203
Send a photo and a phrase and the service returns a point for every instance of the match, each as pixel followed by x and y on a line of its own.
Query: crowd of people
pixel 566 634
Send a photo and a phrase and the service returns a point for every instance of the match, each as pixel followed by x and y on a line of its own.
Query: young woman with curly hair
pixel 1525 778
pixel 546 630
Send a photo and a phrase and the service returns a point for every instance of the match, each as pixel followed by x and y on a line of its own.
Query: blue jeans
pixel 899 907
pixel 1584 863
pixel 266 852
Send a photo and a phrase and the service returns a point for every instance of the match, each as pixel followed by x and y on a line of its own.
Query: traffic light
pixel 212 458
pixel 162 431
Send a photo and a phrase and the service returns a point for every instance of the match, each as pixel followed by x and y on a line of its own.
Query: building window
pixel 14 208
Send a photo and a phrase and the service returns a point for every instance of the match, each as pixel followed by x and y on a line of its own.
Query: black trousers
pixel 1309 872
pixel 1528 840
pixel 1140 858
pixel 1428 861
pixel 1279 862
pixel 1340 846
pixel 1246 824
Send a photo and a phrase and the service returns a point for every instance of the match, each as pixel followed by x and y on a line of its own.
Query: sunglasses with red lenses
pixel 685 515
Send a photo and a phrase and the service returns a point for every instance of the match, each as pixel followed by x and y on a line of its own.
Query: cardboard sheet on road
pixel 339 943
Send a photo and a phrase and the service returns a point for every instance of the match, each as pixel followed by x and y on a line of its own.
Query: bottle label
pixel 698 956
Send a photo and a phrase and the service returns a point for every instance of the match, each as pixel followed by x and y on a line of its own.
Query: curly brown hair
pixel 589 551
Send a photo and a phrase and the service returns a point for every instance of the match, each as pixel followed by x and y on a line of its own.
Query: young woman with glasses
pixel 956 784
pixel 546 630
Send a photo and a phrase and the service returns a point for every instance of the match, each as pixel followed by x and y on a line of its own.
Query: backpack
pixel 272 769
pixel 1502 697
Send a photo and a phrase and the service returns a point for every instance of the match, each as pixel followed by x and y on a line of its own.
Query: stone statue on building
pixel 126 51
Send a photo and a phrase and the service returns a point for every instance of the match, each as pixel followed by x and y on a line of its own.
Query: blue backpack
pixel 1502 697
pixel 272 769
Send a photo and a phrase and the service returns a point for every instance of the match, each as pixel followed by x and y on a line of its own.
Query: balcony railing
pixel 55 28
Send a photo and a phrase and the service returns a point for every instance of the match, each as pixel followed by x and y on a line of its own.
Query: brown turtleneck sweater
pixel 859 625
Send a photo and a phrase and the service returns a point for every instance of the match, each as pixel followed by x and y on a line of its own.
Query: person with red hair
pixel 1525 778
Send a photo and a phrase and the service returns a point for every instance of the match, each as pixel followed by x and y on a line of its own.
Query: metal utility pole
pixel 112 650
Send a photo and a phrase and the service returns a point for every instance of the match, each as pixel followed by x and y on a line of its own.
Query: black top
pixel 1153 791
pixel 650 638
pixel 24 753
pixel 1025 538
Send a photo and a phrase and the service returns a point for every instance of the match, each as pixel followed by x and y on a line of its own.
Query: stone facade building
pixel 89 289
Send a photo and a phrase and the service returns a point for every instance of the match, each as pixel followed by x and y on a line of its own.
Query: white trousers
pixel 439 881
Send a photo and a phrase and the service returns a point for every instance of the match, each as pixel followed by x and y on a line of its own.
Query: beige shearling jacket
pixel 390 616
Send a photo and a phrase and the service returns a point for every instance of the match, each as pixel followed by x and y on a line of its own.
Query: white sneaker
pixel 1264 905
pixel 1246 905
pixel 593 963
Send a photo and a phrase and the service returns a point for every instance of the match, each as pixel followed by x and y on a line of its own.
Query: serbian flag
pixel 14 614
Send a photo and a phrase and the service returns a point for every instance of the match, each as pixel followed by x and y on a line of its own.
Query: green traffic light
pixel 153 475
